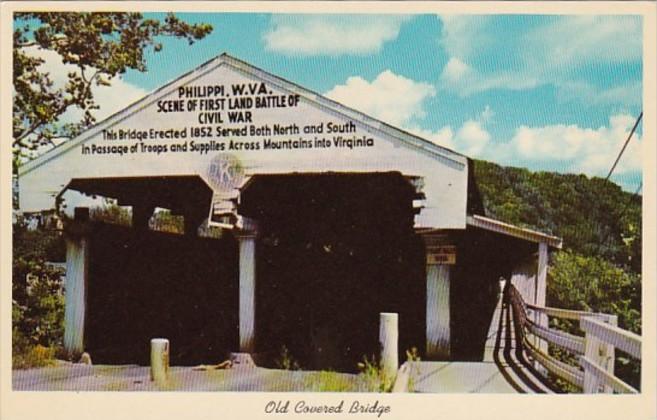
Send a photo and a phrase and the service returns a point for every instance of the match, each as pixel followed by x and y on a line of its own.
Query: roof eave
pixel 512 230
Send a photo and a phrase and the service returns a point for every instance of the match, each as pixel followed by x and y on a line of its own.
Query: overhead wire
pixel 611 171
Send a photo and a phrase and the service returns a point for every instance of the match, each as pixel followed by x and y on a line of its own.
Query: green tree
pixel 101 46
pixel 593 216
pixel 594 284
pixel 37 297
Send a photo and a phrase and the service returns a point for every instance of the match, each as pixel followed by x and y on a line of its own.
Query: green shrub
pixel 375 377
pixel 37 298
pixel 594 284
pixel 285 360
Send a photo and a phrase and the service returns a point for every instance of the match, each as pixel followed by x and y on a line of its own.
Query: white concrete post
pixel 247 282
pixel 389 342
pixel 159 360
pixel 438 319
pixel 77 267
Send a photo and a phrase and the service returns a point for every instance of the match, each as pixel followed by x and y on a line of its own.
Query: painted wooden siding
pixel 444 174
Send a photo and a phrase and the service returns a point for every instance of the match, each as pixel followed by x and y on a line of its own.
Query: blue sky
pixel 557 93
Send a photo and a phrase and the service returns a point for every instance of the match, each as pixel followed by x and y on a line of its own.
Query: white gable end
pixel 271 126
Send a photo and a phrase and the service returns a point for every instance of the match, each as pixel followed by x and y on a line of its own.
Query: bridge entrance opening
pixel 484 258
pixel 334 251
pixel 147 280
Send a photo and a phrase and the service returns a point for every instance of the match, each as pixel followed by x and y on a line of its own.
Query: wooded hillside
pixel 593 216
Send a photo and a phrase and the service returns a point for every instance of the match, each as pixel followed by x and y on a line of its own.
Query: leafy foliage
pixel 286 361
pixel 38 301
pixel 101 46
pixel 600 224
pixel 594 284
pixel 593 216
pixel 112 213
pixel 376 378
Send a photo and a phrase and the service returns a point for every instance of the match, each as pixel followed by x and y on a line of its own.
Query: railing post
pixel 539 298
pixel 608 353
pixel 592 351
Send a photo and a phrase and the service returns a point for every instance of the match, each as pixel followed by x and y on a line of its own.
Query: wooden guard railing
pixel 595 351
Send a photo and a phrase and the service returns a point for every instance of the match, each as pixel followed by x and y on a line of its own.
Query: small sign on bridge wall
pixel 441 254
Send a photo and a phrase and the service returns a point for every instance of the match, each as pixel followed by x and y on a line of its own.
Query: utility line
pixel 624 146
pixel 611 171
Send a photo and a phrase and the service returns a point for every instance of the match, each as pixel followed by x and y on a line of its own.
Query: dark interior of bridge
pixel 334 251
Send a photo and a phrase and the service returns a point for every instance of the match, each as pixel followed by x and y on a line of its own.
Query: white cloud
pixel 586 39
pixel 443 137
pixel 626 95
pixel 471 139
pixel 464 80
pixel 487 114
pixel 110 98
pixel 482 58
pixel 559 147
pixel 455 70
pixel 401 102
pixel 576 149
pixel 464 36
pixel 331 34
pixel 389 97
pixel 565 148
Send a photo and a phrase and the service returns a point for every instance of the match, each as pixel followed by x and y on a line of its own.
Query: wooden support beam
pixel 438 312
pixel 540 291
pixel 77 271
pixel 141 214
pixel 541 277
pixel 193 219
pixel 247 284
pixel 440 255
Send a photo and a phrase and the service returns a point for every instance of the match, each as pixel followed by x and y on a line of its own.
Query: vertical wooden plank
pixel 539 295
pixel 247 261
pixel 609 354
pixel 523 278
pixel 541 275
pixel 77 262
pixel 592 352
pixel 438 312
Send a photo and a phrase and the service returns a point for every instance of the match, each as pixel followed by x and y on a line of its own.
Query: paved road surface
pixel 76 377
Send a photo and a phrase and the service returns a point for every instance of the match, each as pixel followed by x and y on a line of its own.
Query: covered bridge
pixel 328 218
